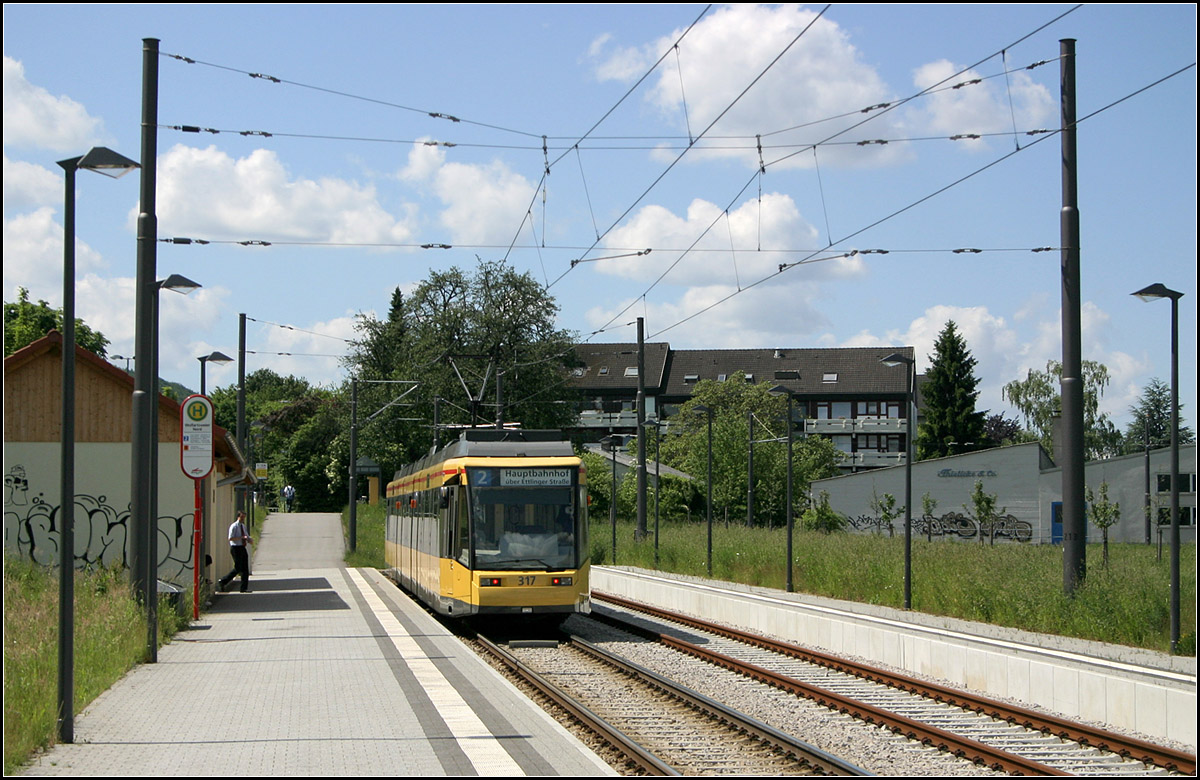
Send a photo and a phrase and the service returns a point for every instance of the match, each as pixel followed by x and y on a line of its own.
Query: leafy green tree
pixel 454 333
pixel 886 511
pixel 999 430
pixel 950 424
pixel 1038 399
pixel 1103 513
pixel 1152 418
pixel 821 517
pixel 982 510
pixel 25 323
pixel 686 448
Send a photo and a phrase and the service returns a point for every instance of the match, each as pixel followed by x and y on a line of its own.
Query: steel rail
pixel 1126 747
pixel 645 760
pixel 819 759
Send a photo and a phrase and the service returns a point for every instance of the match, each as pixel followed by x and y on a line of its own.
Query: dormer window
pixel 689 378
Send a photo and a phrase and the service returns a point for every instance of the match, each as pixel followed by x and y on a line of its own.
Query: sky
pixel 793 171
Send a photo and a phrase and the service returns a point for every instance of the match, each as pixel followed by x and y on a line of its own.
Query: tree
pixel 454 333
pixel 1152 418
pixel 25 323
pixel 731 401
pixel 1037 398
pixel 950 424
pixel 983 510
pixel 821 517
pixel 1103 513
pixel 999 430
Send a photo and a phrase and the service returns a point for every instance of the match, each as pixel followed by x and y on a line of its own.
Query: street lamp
pixel 109 163
pixel 891 361
pixel 149 562
pixel 220 358
pixel 781 390
pixel 1152 293
pixel 708 412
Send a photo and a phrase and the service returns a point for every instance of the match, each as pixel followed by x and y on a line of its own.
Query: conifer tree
pixel 950 424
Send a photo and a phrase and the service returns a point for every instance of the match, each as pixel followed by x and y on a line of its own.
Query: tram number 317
pixel 526 579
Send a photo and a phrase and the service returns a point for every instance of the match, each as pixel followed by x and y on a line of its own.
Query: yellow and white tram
pixel 493 524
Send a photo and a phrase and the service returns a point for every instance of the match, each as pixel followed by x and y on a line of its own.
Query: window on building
pixel 604 371
pixel 1187 483
pixel 691 378
pixel 829 377
pixel 840 410
pixel 1187 515
pixel 722 377
pixel 630 370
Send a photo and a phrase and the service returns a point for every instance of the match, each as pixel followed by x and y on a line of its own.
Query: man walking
pixel 239 537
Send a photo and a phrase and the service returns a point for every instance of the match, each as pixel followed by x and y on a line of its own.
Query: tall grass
pixel 369 529
pixel 110 639
pixel 1019 586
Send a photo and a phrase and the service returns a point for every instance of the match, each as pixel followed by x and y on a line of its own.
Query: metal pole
pixel 640 530
pixel 151 593
pixel 908 459
pixel 66 513
pixel 146 283
pixel 657 484
pixel 1146 438
pixel 750 473
pixel 1174 474
pixel 790 511
pixel 353 541
pixel 710 416
pixel 239 490
pixel 1074 520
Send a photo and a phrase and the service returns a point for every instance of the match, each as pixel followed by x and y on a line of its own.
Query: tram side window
pixel 462 533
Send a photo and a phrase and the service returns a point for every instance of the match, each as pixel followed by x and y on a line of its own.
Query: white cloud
pixel 28 186
pixel 822 75
pixel 36 119
pixel 774 223
pixel 206 193
pixel 33 256
pixel 979 108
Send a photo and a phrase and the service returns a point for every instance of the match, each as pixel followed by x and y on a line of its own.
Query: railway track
pixel 662 727
pixel 987 732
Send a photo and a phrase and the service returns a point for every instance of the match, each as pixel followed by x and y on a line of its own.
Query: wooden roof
pixel 103 399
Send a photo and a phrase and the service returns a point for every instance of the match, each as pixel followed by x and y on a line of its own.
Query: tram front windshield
pixel 523 518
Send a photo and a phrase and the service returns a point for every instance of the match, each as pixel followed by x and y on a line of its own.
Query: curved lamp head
pixel 107 162
pixel 219 358
pixel 1157 291
pixel 897 359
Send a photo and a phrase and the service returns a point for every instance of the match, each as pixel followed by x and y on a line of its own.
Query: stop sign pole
pixel 196 460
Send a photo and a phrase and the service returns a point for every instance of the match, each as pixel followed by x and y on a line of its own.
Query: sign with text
pixel 196 436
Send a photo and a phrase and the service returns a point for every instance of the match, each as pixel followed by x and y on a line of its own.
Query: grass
pixel 369 522
pixel 110 639
pixel 1019 586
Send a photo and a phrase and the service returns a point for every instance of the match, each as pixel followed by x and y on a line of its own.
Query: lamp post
pixel 891 361
pixel 109 163
pixel 1152 293
pixel 781 390
pixel 708 412
pixel 183 285
pixel 220 358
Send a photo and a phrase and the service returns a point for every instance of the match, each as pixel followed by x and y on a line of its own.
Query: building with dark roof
pixel 844 393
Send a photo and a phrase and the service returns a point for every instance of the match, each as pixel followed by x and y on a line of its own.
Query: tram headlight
pixel 562 580
pixel 489 582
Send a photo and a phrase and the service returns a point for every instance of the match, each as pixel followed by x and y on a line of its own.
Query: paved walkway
pixel 318 670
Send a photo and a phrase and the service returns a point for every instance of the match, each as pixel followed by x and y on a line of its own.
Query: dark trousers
pixel 241 567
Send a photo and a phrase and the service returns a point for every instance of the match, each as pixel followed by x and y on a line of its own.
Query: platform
pixel 318 670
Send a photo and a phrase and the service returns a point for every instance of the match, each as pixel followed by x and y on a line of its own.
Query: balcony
pixel 865 425
pixel 591 418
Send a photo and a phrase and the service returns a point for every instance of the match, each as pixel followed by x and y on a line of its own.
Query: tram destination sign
pixel 535 477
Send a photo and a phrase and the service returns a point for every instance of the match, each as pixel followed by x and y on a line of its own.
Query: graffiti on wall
pixel 956 524
pixel 951 524
pixel 31 530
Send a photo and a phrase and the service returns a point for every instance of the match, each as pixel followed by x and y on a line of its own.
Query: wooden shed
pixel 103 480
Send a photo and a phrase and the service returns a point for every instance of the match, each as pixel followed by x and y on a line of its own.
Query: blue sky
pixel 356 174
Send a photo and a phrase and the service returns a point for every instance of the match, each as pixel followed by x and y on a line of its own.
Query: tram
pixel 492 524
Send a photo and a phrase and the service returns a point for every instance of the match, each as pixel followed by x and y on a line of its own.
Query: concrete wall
pixel 1027 494
pixel 102 488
